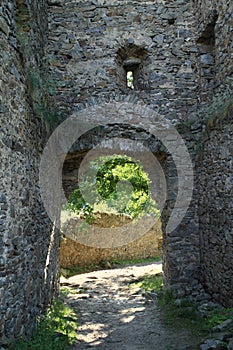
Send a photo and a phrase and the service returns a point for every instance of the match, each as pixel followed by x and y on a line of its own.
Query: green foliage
pixel 77 204
pixel 184 313
pixel 181 315
pixel 216 317
pixel 120 168
pixel 116 182
pixel 185 127
pixel 130 80
pixel 216 108
pixel 149 283
pixel 56 330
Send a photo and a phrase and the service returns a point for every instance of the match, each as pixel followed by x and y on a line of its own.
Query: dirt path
pixel 113 316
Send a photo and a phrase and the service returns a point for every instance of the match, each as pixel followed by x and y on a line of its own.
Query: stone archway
pixel 140 245
pixel 83 60
pixel 181 252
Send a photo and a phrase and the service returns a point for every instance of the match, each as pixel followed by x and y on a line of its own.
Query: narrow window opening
pixel 207 68
pixel 131 67
pixel 130 63
pixel 130 79
pixel 171 21
pixel 208 35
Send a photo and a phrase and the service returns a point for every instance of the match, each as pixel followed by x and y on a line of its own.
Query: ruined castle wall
pixel 89 47
pixel 215 53
pixel 27 274
pixel 77 254
pixel 214 166
pixel 215 208
pixel 224 47
pixel 89 43
pixel 93 44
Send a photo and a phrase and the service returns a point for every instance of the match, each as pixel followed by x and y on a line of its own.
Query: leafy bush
pixel 56 330
pixel 116 183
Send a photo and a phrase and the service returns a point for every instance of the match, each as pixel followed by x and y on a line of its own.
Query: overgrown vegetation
pixel 210 115
pixel 56 330
pixel 218 107
pixel 214 114
pixel 183 313
pixel 149 283
pixel 41 81
pixel 207 115
pixel 113 184
pixel 76 270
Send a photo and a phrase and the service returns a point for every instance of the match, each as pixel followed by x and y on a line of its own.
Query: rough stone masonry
pixel 56 58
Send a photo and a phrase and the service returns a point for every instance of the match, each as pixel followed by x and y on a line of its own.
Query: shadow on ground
pixel 113 316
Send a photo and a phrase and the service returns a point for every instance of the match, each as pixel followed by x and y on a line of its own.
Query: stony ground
pixel 113 316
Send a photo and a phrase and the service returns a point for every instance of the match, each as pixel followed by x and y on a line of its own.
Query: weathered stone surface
pixel 211 344
pixel 180 47
pixel 230 344
pixel 141 31
pixel 28 276
pixel 220 337
pixel 76 254
pixel 215 208
pixel 223 326
pixel 183 55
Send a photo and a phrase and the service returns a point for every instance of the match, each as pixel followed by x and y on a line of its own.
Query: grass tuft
pixel 149 283
pixel 57 329
pixel 183 313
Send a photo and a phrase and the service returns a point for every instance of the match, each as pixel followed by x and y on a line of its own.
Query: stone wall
pixel 216 208
pixel 148 245
pixel 215 44
pixel 91 47
pixel 93 44
pixel 181 54
pixel 214 165
pixel 28 258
